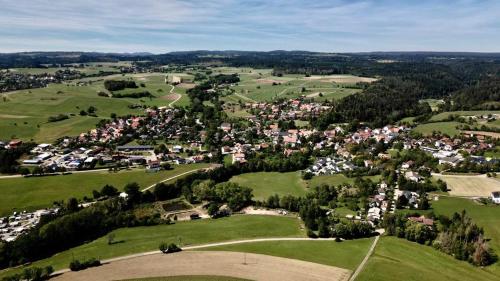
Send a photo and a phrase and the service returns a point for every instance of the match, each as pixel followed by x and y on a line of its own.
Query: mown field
pixel 24 114
pixel 347 254
pixel 142 239
pixel 396 259
pixel 470 186
pixel 17 194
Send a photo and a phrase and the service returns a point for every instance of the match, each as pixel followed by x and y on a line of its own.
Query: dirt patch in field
pixel 470 186
pixel 268 81
pixel 342 79
pixel 233 264
pixel 9 116
pixel 186 85
pixel 171 97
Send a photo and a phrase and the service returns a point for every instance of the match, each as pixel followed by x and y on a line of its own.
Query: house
pixel 239 157
pixel 495 196
pixel 413 176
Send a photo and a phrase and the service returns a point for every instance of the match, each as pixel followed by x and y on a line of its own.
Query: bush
pixel 116 85
pixel 76 265
pixel 169 248
pixel 58 117
pixel 311 234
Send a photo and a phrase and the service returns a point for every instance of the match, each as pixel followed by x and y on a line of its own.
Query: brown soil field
pixel 481 133
pixel 171 97
pixel 233 264
pixel 470 186
pixel 186 85
pixel 347 79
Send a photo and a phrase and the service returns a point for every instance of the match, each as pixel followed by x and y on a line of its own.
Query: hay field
pixel 247 266
pixel 470 186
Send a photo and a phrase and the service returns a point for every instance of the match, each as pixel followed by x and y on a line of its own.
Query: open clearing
pixel 448 128
pixel 189 233
pixel 256 267
pixel 40 192
pixel 470 186
pixel 397 259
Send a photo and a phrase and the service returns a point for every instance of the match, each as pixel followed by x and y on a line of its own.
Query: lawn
pixel 265 184
pixel 190 278
pixel 40 192
pixel 448 128
pixel 143 239
pixel 347 254
pixel 397 259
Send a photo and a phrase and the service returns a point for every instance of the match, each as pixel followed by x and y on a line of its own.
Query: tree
pixel 109 190
pixel 133 192
pixel 72 205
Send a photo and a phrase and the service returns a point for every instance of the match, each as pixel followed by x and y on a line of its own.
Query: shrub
pixel 169 248
pixel 76 265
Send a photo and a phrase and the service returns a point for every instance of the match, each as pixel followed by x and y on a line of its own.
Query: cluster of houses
pixel 293 109
pixel 11 80
pixel 330 166
pixel 13 226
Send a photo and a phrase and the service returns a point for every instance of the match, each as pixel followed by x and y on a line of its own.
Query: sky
pixel 161 26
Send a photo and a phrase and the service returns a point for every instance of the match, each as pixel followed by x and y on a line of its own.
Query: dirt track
pixel 257 267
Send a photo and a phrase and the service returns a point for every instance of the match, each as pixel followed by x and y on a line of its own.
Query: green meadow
pixel 33 193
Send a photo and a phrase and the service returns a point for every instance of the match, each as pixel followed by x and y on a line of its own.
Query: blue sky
pixel 160 26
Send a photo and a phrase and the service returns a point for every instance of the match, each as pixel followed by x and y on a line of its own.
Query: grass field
pixel 347 254
pixel 445 115
pixel 39 192
pixel 470 186
pixel 265 184
pixel 336 179
pixel 24 113
pixel 190 278
pixel 142 239
pixel 396 259
pixel 448 128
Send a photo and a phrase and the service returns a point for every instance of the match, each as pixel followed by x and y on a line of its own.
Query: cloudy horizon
pixel 254 25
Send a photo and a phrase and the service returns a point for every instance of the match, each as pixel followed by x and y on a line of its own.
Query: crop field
pixel 142 239
pixel 397 259
pixel 190 278
pixel 258 267
pixel 265 184
pixel 347 254
pixel 25 113
pixel 40 192
pixel 448 128
pixel 470 186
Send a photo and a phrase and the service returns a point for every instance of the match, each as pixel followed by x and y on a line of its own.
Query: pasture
pixel 397 259
pixel 470 185
pixel 147 238
pixel 17 194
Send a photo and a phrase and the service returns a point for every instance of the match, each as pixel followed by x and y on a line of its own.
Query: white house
pixel 495 196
